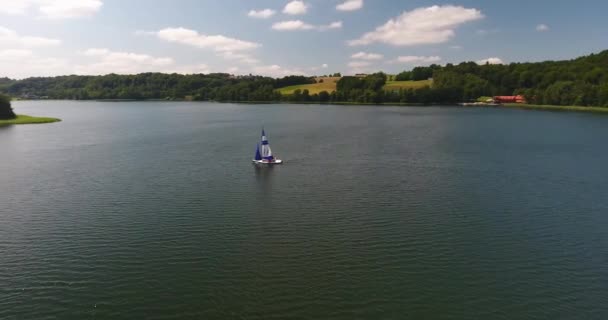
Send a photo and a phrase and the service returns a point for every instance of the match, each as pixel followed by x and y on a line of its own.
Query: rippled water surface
pixel 152 210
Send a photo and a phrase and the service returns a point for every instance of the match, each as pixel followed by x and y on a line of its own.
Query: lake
pixel 153 210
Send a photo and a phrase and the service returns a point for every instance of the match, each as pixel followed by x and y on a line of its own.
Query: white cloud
pixel 491 61
pixel 333 25
pixel 295 8
pixel 193 69
pixel 239 57
pixel 367 56
pixel 542 28
pixel 429 25
pixel 317 68
pixel 52 9
pixel 23 63
pixel 276 71
pixel 360 67
pixel 14 7
pixel 417 59
pixel 96 52
pixel 232 70
pixel 359 64
pixel 261 14
pixel 123 63
pixel 15 53
pixel 62 9
pixel 350 5
pixel 293 25
pixel 456 47
pixel 10 37
pixel 108 61
pixel 215 42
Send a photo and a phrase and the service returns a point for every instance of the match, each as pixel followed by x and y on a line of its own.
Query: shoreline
pixel 25 119
pixel 602 110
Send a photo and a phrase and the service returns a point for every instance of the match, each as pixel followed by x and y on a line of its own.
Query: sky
pixel 282 37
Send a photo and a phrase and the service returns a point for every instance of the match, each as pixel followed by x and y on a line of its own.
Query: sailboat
pixel 263 153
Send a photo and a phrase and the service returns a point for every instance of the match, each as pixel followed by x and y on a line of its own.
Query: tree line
pixel 582 81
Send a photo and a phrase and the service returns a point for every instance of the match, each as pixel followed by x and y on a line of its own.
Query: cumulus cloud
pixel 52 9
pixel 261 14
pixel 96 52
pixel 214 42
pixel 359 64
pixel 429 25
pixel 189 69
pixel 276 71
pixel 295 8
pixel 232 70
pixel 367 56
pixel 542 28
pixel 122 62
pixel 490 61
pixel 324 66
pixel 294 25
pixel 333 25
pixel 10 37
pixel 23 63
pixel 108 61
pixel 238 57
pixel 350 5
pixel 418 59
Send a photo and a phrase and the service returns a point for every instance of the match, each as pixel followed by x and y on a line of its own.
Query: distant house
pixel 510 99
pixel 361 75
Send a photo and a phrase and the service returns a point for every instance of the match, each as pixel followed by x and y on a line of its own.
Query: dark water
pixel 154 211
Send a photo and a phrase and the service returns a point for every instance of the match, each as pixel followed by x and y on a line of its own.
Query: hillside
pixel 410 84
pixel 329 85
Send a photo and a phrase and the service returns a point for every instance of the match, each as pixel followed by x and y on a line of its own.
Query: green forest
pixel 582 81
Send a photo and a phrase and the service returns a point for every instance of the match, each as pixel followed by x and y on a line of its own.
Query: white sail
pixel 266 151
pixel 265 155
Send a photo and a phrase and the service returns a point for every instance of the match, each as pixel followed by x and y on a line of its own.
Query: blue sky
pixel 279 37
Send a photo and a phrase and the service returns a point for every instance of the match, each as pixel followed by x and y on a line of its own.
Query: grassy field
pixel 329 85
pixel 396 85
pixel 23 119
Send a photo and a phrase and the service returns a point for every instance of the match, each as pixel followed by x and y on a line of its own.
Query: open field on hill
pixel 329 85
pixel 396 85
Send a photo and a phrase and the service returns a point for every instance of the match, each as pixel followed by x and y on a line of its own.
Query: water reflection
pixel 263 173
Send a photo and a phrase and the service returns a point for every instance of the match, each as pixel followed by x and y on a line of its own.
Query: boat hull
pixel 266 162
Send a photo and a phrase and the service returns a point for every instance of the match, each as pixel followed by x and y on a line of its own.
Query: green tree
pixel 6 111
pixel 324 96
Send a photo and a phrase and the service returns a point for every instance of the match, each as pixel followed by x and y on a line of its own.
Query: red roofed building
pixel 510 99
